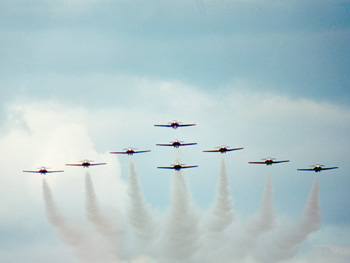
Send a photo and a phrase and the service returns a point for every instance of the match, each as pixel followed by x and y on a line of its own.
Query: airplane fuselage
pixel 86 164
pixel 130 152
pixel 174 125
pixel 176 144
pixel 223 150
pixel 177 167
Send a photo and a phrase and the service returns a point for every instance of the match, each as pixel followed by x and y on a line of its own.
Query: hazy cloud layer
pixel 58 135
pixel 82 78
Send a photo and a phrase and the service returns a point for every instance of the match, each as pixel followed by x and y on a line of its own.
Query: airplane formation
pixel 177 166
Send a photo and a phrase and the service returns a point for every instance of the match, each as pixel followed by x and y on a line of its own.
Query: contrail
pixel 201 8
pixel 139 213
pixel 180 234
pixel 222 211
pixel 266 218
pixel 221 216
pixel 70 235
pixel 179 238
pixel 262 223
pixel 285 243
pixel 101 223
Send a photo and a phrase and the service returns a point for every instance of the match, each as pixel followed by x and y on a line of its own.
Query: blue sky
pixel 82 78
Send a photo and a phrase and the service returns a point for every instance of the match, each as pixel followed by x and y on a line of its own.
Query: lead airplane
pixel 85 163
pixel 269 161
pixel 174 125
pixel 130 151
pixel 177 166
pixel 176 144
pixel 223 149
pixel 43 170
pixel 318 168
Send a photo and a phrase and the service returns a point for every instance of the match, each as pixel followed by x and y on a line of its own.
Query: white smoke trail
pixel 263 222
pixel 222 211
pixel 226 240
pixel 181 233
pixel 266 217
pixel 220 217
pixel 73 236
pixel 139 213
pixel 101 223
pixel 285 243
pixel 181 229
pixel 201 8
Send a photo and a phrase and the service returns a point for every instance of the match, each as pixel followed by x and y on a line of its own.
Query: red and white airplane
pixel 223 149
pixel 43 170
pixel 85 163
pixel 174 125
pixel 177 166
pixel 318 168
pixel 176 144
pixel 130 151
pixel 269 161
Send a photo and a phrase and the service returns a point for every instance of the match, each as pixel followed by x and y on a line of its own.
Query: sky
pixel 82 78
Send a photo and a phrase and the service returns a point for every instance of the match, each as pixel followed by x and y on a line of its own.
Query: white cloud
pixel 327 253
pixel 53 133
pixel 51 136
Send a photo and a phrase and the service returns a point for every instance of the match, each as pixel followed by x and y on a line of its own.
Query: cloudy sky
pixel 82 78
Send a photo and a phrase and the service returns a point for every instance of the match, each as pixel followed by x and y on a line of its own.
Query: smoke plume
pixel 285 241
pixel 73 236
pixel 180 240
pixel 182 235
pixel 222 211
pixel 246 241
pixel 139 213
pixel 102 225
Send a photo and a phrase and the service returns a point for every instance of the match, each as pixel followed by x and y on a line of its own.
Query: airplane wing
pixel 257 162
pixel 162 125
pixel 119 152
pixel 181 144
pixel 166 167
pixel 74 164
pixel 142 151
pixel 284 161
pixel 31 171
pixel 305 169
pixel 211 151
pixel 60 171
pixel 91 164
pixel 329 168
pixel 185 125
pixel 234 149
pixel 190 166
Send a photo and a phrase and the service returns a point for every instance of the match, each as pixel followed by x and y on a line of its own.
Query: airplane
pixel 223 149
pixel 317 168
pixel 174 125
pixel 176 144
pixel 85 163
pixel 130 151
pixel 269 161
pixel 177 166
pixel 43 170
